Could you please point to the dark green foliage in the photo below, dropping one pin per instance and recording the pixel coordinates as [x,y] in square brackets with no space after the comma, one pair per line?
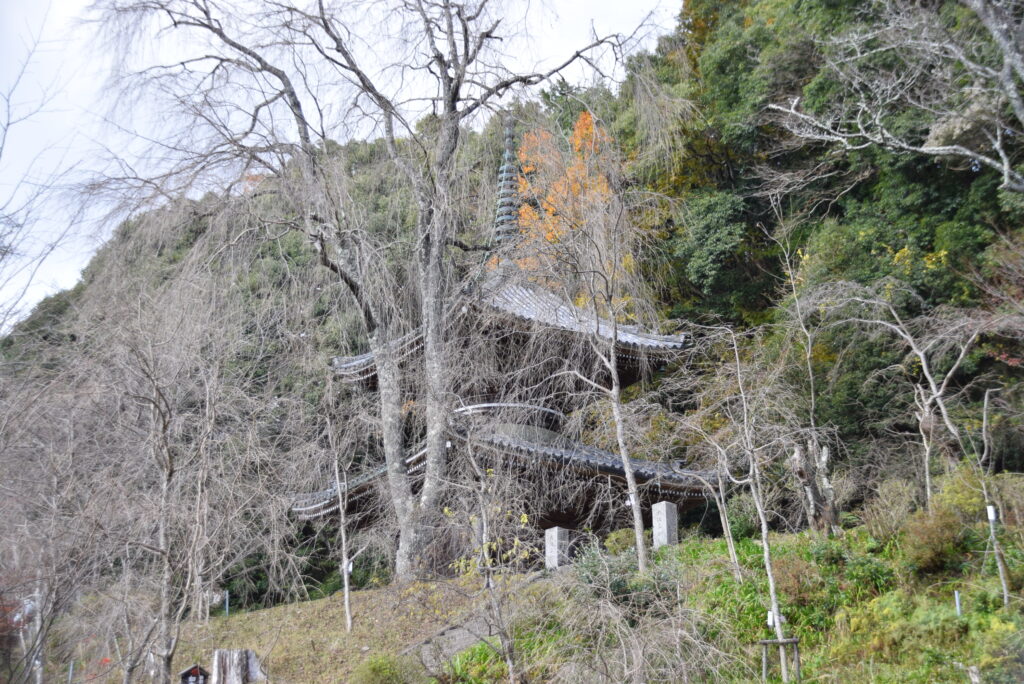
[712,232]
[48,324]
[566,102]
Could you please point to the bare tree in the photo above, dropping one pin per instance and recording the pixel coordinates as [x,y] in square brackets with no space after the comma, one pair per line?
[962,80]
[983,466]
[580,240]
[172,451]
[26,237]
[809,462]
[753,427]
[936,342]
[252,65]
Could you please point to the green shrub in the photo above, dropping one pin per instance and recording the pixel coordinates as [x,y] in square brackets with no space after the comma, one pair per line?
[868,576]
[478,664]
[935,541]
[387,668]
[621,541]
[961,492]
[828,553]
[742,516]
[616,578]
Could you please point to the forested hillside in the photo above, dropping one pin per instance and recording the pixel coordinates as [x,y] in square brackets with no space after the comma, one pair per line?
[823,198]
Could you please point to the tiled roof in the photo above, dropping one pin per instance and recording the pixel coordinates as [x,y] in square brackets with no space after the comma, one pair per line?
[364,366]
[540,306]
[533,444]
[543,307]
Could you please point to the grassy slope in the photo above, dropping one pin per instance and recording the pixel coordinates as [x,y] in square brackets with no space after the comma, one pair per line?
[864,611]
[307,643]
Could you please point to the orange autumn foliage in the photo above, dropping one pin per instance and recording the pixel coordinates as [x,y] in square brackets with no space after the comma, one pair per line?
[565,187]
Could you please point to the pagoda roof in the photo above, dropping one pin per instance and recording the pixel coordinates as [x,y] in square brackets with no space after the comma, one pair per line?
[538,305]
[525,443]
[534,303]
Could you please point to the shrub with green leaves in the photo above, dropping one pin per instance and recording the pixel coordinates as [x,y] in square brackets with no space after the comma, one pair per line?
[621,541]
[478,664]
[387,668]
[742,516]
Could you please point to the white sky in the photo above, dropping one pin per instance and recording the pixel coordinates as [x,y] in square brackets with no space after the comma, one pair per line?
[69,130]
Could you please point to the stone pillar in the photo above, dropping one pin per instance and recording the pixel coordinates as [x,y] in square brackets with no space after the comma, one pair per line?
[666,524]
[556,547]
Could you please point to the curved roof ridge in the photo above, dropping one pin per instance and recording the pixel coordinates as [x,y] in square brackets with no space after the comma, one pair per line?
[507,291]
[562,451]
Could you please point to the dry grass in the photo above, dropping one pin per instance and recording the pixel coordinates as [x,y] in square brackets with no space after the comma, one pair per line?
[306,642]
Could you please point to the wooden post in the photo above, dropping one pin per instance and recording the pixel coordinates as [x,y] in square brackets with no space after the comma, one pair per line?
[781,643]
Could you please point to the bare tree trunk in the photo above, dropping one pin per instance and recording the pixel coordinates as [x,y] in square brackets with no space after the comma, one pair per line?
[818,499]
[166,642]
[642,559]
[773,597]
[997,549]
[925,418]
[410,538]
[37,622]
[990,508]
[723,515]
[343,517]
[235,667]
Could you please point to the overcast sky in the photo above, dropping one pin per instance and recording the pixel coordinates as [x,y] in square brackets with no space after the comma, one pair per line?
[68,74]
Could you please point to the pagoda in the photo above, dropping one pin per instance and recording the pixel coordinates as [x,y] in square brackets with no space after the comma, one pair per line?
[526,433]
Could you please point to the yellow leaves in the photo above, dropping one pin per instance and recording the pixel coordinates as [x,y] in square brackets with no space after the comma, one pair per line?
[907,259]
[904,259]
[535,148]
[935,260]
[997,626]
[822,354]
[629,264]
[888,291]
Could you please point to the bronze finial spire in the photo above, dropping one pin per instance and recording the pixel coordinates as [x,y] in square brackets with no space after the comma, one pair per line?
[506,222]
